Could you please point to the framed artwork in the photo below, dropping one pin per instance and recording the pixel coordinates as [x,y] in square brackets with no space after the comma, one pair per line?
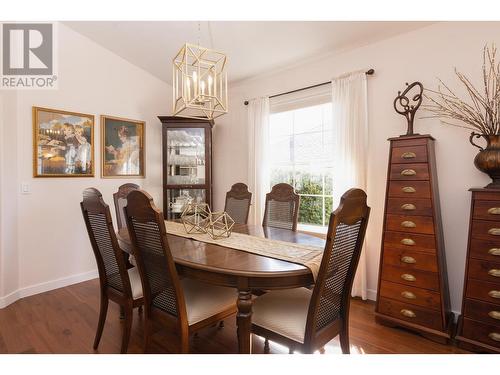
[63,143]
[122,147]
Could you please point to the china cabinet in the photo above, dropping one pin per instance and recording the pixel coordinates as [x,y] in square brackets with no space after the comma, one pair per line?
[187,163]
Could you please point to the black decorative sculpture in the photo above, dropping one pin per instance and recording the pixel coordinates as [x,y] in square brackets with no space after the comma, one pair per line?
[407,107]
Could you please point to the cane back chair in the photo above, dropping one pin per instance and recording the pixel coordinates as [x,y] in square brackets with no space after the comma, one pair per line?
[184,306]
[304,319]
[117,284]
[282,207]
[238,201]
[120,199]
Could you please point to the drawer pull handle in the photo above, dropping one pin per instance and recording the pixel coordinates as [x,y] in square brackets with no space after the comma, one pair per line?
[408,277]
[408,189]
[408,207]
[407,242]
[408,155]
[494,294]
[494,251]
[408,260]
[408,295]
[494,272]
[494,314]
[408,313]
[408,224]
[494,211]
[494,231]
[408,172]
[494,336]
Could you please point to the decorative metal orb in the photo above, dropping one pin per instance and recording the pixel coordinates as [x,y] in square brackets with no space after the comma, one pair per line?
[220,225]
[196,217]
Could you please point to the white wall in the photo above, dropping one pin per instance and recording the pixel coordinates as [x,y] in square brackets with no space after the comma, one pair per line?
[421,55]
[44,243]
[8,194]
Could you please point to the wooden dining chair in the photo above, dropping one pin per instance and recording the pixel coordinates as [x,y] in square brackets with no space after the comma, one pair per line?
[120,199]
[117,284]
[182,305]
[282,207]
[238,201]
[307,319]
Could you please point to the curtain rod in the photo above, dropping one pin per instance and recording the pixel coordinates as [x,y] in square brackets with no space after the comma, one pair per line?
[368,72]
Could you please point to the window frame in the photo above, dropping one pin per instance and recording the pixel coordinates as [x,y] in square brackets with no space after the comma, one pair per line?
[294,167]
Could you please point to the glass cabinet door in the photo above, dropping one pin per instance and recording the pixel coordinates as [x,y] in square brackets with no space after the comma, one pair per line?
[186,164]
[177,199]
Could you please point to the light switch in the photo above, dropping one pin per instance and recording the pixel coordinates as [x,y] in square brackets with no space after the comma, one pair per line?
[25,188]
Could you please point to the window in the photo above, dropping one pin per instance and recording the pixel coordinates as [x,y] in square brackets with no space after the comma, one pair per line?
[300,154]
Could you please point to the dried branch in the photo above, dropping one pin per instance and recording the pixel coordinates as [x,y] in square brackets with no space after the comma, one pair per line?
[481,113]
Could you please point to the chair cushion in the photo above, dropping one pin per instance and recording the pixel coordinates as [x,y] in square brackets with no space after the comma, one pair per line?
[135,282]
[283,312]
[205,300]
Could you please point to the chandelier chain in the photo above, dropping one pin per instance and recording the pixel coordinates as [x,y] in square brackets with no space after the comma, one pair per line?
[210,34]
[199,34]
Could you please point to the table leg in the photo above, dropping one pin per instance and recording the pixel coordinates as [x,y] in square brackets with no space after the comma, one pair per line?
[244,321]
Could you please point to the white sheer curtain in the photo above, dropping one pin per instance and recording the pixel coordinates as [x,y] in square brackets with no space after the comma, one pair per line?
[350,124]
[258,170]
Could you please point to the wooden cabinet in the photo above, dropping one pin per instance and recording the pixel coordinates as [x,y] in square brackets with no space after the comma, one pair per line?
[187,163]
[413,284]
[479,323]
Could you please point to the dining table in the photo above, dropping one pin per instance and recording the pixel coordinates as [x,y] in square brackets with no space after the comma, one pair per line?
[244,271]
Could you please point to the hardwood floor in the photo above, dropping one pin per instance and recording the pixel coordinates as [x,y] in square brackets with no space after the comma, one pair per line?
[65,320]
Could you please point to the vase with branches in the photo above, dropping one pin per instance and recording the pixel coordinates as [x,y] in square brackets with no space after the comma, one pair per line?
[480,113]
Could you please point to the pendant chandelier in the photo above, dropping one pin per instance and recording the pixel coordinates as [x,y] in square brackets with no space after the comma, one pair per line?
[199,82]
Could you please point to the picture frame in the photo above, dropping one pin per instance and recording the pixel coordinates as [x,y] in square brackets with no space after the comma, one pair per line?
[123,151]
[63,143]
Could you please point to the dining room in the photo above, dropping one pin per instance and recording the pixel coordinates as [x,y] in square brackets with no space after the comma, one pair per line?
[229,185]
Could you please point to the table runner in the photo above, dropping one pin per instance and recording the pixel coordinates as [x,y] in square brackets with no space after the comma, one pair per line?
[306,255]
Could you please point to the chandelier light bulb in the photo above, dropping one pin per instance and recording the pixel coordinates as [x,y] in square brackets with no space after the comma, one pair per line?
[202,84]
[195,83]
[210,84]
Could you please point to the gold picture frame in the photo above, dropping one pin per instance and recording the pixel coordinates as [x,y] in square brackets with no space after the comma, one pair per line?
[63,143]
[123,147]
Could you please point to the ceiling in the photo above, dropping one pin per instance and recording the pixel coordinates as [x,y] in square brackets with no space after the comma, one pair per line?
[252,47]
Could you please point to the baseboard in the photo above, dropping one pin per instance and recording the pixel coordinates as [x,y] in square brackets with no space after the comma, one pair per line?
[45,287]
[9,298]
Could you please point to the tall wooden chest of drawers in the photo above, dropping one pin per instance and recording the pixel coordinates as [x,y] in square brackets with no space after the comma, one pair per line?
[479,323]
[413,284]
